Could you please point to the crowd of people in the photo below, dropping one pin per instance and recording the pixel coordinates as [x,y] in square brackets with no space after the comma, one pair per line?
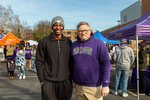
[84,65]
[21,60]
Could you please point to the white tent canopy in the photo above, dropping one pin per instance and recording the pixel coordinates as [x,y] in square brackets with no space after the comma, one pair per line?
[32,42]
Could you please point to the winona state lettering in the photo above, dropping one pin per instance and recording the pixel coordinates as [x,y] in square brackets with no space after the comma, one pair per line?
[82,50]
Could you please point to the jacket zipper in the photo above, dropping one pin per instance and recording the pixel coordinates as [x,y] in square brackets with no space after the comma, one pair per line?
[58,46]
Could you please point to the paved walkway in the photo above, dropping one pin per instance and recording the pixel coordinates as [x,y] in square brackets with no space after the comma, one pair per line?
[30,89]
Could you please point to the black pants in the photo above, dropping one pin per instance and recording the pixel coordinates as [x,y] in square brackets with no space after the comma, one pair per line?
[60,90]
[12,73]
[142,87]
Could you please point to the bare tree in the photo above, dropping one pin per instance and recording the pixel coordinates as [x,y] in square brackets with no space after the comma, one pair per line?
[42,29]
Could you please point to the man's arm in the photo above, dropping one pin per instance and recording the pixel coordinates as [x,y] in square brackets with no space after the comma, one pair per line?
[106,67]
[132,57]
[39,61]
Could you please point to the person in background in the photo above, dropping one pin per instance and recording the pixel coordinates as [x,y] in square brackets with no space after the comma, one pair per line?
[142,68]
[91,65]
[11,68]
[5,51]
[21,61]
[33,52]
[15,51]
[28,58]
[110,55]
[53,63]
[124,58]
[1,52]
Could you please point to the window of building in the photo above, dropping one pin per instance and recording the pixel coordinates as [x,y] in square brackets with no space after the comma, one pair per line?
[125,18]
[68,32]
[69,37]
[75,33]
[63,32]
[75,37]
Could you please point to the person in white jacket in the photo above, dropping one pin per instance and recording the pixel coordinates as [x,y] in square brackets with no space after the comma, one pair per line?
[124,57]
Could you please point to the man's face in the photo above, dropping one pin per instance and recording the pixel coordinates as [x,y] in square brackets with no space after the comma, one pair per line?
[84,32]
[57,28]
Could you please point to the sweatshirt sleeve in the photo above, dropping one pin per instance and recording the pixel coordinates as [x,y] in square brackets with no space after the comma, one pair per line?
[14,54]
[132,56]
[105,64]
[39,60]
[143,59]
[114,56]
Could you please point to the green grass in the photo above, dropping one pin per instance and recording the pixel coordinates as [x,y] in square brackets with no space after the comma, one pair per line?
[10,50]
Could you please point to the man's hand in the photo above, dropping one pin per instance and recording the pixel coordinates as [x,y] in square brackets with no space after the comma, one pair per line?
[105,91]
[74,85]
[41,83]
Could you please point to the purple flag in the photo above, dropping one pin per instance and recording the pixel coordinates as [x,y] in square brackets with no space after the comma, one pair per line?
[0,35]
[4,34]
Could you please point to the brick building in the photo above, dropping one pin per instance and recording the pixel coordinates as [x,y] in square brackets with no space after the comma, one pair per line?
[70,33]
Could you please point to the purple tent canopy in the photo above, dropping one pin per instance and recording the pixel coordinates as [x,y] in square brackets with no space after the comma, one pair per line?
[140,27]
[138,30]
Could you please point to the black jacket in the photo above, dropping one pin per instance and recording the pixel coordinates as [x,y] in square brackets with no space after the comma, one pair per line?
[52,59]
[142,60]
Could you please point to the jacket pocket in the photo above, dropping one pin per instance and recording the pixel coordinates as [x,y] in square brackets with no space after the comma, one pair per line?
[82,76]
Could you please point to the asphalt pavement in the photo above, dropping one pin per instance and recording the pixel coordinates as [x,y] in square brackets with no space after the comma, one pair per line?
[30,89]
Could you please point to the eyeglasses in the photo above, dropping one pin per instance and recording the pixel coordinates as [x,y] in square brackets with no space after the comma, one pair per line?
[85,31]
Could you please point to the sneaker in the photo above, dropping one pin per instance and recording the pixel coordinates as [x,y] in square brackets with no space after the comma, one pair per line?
[115,92]
[140,93]
[124,94]
[20,77]
[24,76]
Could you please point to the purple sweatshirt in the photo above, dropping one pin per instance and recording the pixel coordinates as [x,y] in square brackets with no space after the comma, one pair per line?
[28,53]
[91,62]
[15,52]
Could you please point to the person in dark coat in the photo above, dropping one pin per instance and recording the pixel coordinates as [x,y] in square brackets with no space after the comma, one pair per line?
[52,63]
[142,68]
[5,51]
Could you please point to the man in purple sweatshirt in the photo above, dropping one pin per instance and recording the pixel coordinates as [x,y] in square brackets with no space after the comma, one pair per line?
[91,65]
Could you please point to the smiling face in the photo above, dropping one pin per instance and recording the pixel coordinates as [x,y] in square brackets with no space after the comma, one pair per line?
[83,32]
[57,29]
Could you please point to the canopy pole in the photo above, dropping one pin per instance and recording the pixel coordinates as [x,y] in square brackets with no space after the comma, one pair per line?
[137,58]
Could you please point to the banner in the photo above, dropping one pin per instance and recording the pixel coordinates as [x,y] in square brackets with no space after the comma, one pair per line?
[0,35]
[4,34]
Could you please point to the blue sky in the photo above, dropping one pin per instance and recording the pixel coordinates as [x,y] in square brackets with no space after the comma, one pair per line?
[100,14]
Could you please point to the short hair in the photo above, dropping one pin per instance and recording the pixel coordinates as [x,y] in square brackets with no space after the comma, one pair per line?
[21,46]
[12,60]
[82,23]
[34,46]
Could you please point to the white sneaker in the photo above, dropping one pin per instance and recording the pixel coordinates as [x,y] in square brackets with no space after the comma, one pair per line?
[20,77]
[124,94]
[24,76]
[115,92]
